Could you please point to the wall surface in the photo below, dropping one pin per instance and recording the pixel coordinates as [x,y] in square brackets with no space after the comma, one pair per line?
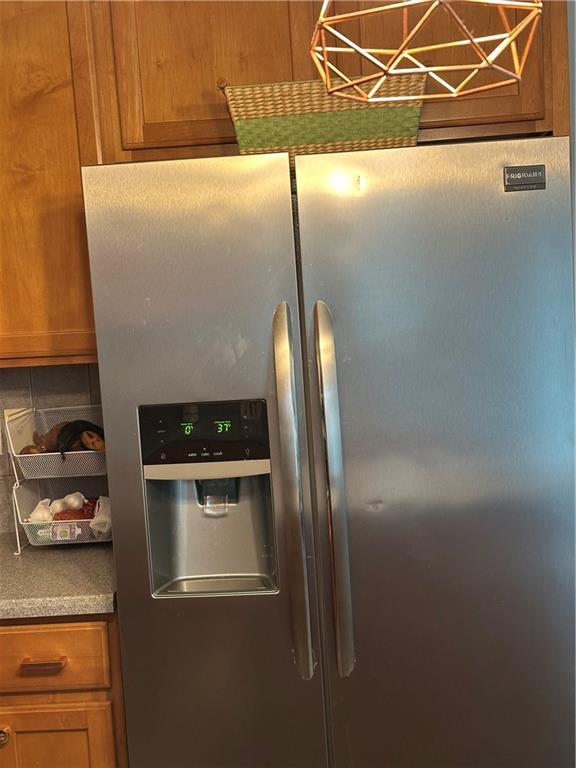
[46,387]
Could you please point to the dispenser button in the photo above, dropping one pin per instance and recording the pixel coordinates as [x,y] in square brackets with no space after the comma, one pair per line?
[162,455]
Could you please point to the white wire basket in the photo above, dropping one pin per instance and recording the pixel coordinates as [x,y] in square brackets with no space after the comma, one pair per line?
[25,497]
[21,423]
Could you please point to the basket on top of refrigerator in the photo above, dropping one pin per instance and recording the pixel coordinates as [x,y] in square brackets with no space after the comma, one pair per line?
[57,442]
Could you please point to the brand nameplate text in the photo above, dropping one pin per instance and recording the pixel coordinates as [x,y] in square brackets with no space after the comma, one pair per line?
[521,178]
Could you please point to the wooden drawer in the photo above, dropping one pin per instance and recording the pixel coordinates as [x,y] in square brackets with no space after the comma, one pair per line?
[54,657]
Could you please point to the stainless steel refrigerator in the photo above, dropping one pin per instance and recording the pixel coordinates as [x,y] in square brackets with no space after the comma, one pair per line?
[341,456]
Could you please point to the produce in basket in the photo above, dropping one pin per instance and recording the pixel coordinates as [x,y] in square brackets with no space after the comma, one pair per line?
[93,440]
[71,501]
[90,435]
[29,449]
[72,507]
[101,525]
[41,512]
[49,441]
[76,435]
[86,511]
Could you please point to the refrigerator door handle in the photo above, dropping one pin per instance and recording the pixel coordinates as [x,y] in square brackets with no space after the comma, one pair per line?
[292,490]
[338,523]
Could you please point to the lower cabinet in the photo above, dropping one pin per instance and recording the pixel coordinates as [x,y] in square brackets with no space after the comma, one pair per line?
[70,735]
[61,700]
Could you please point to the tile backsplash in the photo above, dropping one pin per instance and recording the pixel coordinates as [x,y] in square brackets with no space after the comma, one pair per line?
[42,387]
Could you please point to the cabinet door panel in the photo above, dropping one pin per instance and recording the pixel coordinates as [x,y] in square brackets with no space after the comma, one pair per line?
[170,58]
[514,102]
[45,299]
[65,735]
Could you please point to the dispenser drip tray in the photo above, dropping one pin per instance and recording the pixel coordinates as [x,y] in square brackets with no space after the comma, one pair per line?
[244,582]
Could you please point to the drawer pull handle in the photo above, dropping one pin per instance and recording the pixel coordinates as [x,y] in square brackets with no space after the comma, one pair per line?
[4,735]
[49,667]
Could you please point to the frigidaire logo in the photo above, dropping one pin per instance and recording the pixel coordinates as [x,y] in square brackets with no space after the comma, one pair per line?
[519,178]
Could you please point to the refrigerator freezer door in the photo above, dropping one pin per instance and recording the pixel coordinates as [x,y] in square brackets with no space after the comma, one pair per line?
[190,260]
[452,308]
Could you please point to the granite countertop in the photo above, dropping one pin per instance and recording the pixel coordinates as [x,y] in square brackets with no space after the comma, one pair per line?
[64,580]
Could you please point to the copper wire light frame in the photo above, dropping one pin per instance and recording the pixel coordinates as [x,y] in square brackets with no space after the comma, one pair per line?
[329,42]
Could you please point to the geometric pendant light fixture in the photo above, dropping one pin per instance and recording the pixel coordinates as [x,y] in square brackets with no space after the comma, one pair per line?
[462,46]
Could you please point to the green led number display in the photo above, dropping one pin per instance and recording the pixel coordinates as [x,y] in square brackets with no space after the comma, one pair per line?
[187,427]
[223,426]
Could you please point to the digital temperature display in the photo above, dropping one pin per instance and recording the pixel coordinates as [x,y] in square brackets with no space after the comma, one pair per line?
[228,430]
[204,429]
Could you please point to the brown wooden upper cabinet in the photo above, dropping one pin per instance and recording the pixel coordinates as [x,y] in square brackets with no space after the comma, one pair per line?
[45,299]
[92,82]
[170,57]
[526,107]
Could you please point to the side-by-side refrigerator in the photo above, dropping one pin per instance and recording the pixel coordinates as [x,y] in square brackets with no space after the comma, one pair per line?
[341,455]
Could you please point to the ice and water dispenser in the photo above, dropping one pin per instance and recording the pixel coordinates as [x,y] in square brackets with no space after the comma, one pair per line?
[206,470]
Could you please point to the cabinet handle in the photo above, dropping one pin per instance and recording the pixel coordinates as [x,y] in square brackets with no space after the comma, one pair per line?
[47,667]
[4,735]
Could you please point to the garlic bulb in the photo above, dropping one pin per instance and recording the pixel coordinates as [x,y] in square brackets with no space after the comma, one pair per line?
[41,512]
[74,500]
[58,505]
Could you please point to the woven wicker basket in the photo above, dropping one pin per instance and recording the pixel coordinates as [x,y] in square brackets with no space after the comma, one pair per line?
[302,118]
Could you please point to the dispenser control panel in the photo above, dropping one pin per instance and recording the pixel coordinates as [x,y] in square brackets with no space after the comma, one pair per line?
[184,433]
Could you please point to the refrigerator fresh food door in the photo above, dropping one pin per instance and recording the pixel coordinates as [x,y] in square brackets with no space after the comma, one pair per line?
[439,314]
[196,306]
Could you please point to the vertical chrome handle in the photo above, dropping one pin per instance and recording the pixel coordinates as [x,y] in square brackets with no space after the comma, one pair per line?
[296,550]
[328,385]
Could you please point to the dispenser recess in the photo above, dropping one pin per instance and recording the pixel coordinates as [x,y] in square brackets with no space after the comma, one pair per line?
[210,525]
